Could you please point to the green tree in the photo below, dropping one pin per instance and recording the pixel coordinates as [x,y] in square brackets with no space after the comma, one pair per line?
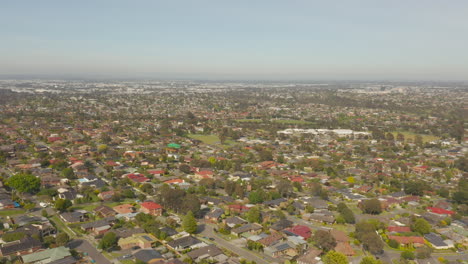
[370,260]
[333,257]
[24,183]
[68,173]
[254,215]
[189,223]
[324,240]
[8,237]
[62,204]
[407,255]
[108,241]
[421,226]
[371,206]
[62,239]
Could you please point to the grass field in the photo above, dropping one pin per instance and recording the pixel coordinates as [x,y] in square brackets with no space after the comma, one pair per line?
[411,135]
[12,212]
[291,122]
[207,139]
[61,226]
[249,120]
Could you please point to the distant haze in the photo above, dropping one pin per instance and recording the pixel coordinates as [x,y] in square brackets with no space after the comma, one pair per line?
[245,39]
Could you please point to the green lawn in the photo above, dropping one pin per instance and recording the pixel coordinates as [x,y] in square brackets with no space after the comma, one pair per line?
[207,139]
[411,135]
[62,226]
[249,120]
[12,212]
[292,122]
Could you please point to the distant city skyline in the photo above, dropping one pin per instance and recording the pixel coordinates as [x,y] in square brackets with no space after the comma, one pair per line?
[236,40]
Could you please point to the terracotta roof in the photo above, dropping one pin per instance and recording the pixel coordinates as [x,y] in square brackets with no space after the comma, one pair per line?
[408,239]
[151,205]
[399,229]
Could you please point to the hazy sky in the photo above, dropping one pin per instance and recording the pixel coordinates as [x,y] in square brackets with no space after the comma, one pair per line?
[241,39]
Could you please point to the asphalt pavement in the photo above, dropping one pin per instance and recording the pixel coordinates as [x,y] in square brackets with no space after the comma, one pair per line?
[207,231]
[85,246]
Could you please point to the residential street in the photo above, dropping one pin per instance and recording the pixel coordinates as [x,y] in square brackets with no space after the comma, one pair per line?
[207,231]
[85,246]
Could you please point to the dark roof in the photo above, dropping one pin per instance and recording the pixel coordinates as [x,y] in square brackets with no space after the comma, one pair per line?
[66,260]
[99,223]
[146,255]
[282,224]
[210,250]
[215,213]
[126,232]
[235,220]
[247,228]
[72,217]
[184,242]
[435,239]
[275,202]
[26,243]
[169,231]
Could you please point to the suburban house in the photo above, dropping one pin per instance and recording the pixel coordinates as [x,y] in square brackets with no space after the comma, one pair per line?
[151,208]
[142,240]
[20,247]
[148,255]
[104,211]
[209,252]
[186,242]
[52,255]
[124,209]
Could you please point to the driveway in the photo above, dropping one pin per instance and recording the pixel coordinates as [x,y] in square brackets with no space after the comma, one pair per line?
[207,231]
[85,246]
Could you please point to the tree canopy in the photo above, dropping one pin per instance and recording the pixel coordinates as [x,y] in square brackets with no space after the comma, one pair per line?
[24,183]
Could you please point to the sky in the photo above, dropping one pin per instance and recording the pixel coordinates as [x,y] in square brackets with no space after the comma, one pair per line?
[242,39]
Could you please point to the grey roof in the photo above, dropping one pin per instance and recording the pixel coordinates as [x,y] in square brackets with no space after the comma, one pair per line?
[435,239]
[26,243]
[210,250]
[146,255]
[184,242]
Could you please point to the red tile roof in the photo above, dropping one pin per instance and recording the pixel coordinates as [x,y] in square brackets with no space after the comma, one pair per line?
[399,229]
[151,205]
[408,239]
[301,230]
[438,210]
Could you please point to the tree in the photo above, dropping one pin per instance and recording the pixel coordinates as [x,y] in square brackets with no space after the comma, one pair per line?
[373,243]
[147,188]
[370,260]
[423,252]
[189,223]
[324,240]
[8,237]
[333,257]
[108,241]
[256,197]
[68,173]
[185,168]
[284,187]
[62,239]
[416,187]
[62,204]
[371,206]
[346,213]
[254,215]
[407,255]
[24,183]
[393,243]
[421,226]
